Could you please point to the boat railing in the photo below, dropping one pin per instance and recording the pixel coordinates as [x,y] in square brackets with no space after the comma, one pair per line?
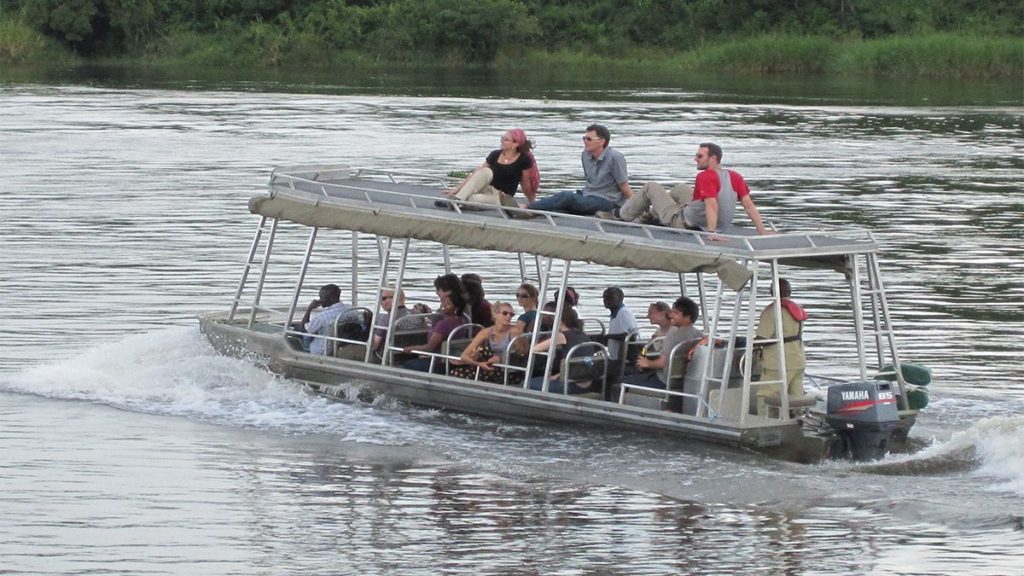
[624,388]
[585,322]
[457,342]
[578,359]
[676,366]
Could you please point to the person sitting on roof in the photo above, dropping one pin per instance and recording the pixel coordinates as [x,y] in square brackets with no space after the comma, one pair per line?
[329,298]
[569,335]
[487,349]
[607,185]
[654,366]
[452,306]
[708,206]
[504,170]
[793,317]
[479,307]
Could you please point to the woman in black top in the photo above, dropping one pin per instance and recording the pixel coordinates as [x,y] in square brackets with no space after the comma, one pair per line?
[505,169]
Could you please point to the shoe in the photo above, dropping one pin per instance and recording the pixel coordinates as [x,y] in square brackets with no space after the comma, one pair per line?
[449,204]
[608,214]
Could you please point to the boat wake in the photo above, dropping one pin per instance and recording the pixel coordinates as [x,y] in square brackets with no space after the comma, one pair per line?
[176,372]
[991,447]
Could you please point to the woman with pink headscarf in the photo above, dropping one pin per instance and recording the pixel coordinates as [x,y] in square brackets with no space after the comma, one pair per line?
[504,170]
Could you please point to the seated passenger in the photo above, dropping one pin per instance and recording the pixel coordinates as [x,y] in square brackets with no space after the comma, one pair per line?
[487,348]
[479,307]
[503,171]
[572,298]
[528,297]
[323,324]
[569,335]
[622,321]
[387,296]
[658,314]
[453,305]
[683,314]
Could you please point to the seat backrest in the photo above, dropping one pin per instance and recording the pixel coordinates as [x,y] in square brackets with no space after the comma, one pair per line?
[592,327]
[584,362]
[459,338]
[352,324]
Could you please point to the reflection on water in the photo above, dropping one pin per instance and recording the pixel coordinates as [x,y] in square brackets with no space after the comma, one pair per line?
[126,212]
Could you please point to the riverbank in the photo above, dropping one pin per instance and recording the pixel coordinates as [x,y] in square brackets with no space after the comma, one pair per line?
[918,56]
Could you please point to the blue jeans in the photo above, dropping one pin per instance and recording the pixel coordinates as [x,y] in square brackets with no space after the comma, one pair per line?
[555,386]
[573,203]
[648,379]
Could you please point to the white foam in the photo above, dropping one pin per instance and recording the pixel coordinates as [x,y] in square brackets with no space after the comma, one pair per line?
[998,444]
[175,371]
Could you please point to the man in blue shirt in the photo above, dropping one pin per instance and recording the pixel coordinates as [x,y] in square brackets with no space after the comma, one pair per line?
[607,185]
[323,324]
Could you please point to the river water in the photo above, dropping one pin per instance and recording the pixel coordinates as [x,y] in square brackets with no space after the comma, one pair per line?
[127,446]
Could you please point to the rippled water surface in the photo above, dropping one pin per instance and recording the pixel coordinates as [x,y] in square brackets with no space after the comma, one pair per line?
[128,446]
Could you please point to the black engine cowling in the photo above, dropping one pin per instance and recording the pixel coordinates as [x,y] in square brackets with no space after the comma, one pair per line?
[864,416]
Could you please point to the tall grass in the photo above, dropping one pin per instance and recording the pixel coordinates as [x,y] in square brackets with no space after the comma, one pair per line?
[20,44]
[772,54]
[936,55]
[932,55]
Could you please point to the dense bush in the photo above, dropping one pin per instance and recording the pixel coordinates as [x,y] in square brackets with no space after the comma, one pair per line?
[277,31]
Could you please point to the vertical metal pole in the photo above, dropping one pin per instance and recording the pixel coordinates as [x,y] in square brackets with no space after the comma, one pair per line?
[556,325]
[858,321]
[248,265]
[703,301]
[730,351]
[355,269]
[385,261]
[748,352]
[447,259]
[543,278]
[682,285]
[399,278]
[780,337]
[522,268]
[301,279]
[263,273]
[712,334]
[887,318]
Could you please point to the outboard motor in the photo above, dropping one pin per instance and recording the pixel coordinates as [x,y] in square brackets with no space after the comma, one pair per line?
[864,416]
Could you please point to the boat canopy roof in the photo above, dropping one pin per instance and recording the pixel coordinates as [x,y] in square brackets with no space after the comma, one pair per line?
[403,206]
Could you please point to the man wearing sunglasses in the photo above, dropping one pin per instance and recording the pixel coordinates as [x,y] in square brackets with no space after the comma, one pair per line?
[607,185]
[708,206]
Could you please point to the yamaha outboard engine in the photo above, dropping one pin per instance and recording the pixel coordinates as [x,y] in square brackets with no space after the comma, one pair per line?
[864,416]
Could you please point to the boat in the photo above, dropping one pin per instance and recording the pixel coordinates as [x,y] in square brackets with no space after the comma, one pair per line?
[862,409]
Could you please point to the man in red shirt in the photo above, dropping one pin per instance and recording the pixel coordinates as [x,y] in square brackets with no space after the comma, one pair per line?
[709,206]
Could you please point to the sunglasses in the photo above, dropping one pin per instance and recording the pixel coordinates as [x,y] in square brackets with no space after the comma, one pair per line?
[590,138]
[522,295]
[505,312]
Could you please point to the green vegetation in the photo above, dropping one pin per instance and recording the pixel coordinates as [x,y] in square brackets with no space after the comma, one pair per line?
[923,38]
[20,44]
